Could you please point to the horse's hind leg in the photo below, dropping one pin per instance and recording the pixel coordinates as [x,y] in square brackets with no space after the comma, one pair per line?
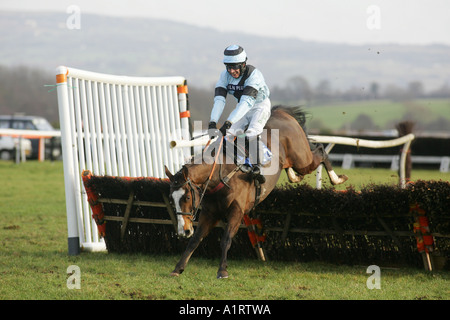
[298,170]
[319,156]
[293,176]
[319,153]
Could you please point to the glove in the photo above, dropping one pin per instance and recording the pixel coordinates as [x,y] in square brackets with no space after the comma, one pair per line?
[225,127]
[212,130]
[212,125]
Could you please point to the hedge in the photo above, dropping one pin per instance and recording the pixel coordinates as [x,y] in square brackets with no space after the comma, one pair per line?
[351,227]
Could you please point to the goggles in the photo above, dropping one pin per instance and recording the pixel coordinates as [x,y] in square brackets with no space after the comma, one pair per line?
[233,66]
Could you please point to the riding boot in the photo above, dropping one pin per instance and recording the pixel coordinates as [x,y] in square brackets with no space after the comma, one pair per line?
[257,167]
[246,168]
[257,174]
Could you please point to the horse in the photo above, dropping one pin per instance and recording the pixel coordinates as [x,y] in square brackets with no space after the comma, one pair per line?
[230,198]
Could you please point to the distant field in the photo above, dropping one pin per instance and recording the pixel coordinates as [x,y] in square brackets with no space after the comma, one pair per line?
[384,113]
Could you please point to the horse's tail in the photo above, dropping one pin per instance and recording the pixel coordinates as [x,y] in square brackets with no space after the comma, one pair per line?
[296,112]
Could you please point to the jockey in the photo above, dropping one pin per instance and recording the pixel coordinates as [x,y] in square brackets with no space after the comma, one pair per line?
[247,85]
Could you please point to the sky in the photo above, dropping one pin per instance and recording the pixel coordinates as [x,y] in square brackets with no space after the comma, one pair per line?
[345,21]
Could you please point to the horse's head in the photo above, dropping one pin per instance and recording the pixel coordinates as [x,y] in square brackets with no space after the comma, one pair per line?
[186,198]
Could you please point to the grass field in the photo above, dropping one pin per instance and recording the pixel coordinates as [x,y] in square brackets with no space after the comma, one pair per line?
[34,260]
[384,113]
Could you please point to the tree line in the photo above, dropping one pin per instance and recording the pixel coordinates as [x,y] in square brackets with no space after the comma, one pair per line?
[299,89]
[25,89]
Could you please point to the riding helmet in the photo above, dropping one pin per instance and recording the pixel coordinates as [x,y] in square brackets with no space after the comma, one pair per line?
[235,55]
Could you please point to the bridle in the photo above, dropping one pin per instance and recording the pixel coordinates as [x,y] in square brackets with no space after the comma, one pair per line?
[195,208]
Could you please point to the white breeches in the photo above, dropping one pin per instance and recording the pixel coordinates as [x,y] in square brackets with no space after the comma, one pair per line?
[256,119]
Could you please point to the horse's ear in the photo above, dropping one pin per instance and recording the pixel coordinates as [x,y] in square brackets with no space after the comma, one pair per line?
[168,173]
[185,172]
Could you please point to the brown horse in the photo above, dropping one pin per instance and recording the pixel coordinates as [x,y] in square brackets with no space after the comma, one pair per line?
[226,193]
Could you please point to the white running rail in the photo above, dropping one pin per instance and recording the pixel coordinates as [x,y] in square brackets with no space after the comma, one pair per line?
[332,141]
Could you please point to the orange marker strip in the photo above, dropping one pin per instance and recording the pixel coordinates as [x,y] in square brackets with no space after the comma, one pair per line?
[61,78]
[185,114]
[182,89]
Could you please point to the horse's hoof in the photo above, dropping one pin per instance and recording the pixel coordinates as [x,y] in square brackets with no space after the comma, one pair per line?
[174,274]
[337,179]
[293,176]
[222,275]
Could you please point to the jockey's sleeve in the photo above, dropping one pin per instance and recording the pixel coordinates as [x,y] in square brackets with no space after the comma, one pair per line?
[220,95]
[219,104]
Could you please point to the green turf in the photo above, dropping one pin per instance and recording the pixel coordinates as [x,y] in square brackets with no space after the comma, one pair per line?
[384,113]
[34,259]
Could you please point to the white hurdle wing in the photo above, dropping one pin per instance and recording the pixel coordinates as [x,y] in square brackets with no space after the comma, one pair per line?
[118,126]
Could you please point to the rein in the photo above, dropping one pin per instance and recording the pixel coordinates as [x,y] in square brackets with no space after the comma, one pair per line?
[223,182]
[194,212]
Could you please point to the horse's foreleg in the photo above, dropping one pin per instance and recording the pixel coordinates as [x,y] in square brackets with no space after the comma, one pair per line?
[234,221]
[203,228]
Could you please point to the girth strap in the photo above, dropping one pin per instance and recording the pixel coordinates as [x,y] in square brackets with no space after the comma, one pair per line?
[257,193]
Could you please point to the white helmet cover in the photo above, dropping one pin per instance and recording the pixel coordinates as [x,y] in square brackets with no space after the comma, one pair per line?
[234,54]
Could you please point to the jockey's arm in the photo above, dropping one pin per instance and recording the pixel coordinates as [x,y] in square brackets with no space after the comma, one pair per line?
[245,104]
[220,95]
[216,112]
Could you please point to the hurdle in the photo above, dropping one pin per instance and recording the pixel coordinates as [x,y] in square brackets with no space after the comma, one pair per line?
[118,126]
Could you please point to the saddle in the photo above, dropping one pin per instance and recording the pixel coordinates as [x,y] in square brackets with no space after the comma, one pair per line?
[241,155]
[244,160]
